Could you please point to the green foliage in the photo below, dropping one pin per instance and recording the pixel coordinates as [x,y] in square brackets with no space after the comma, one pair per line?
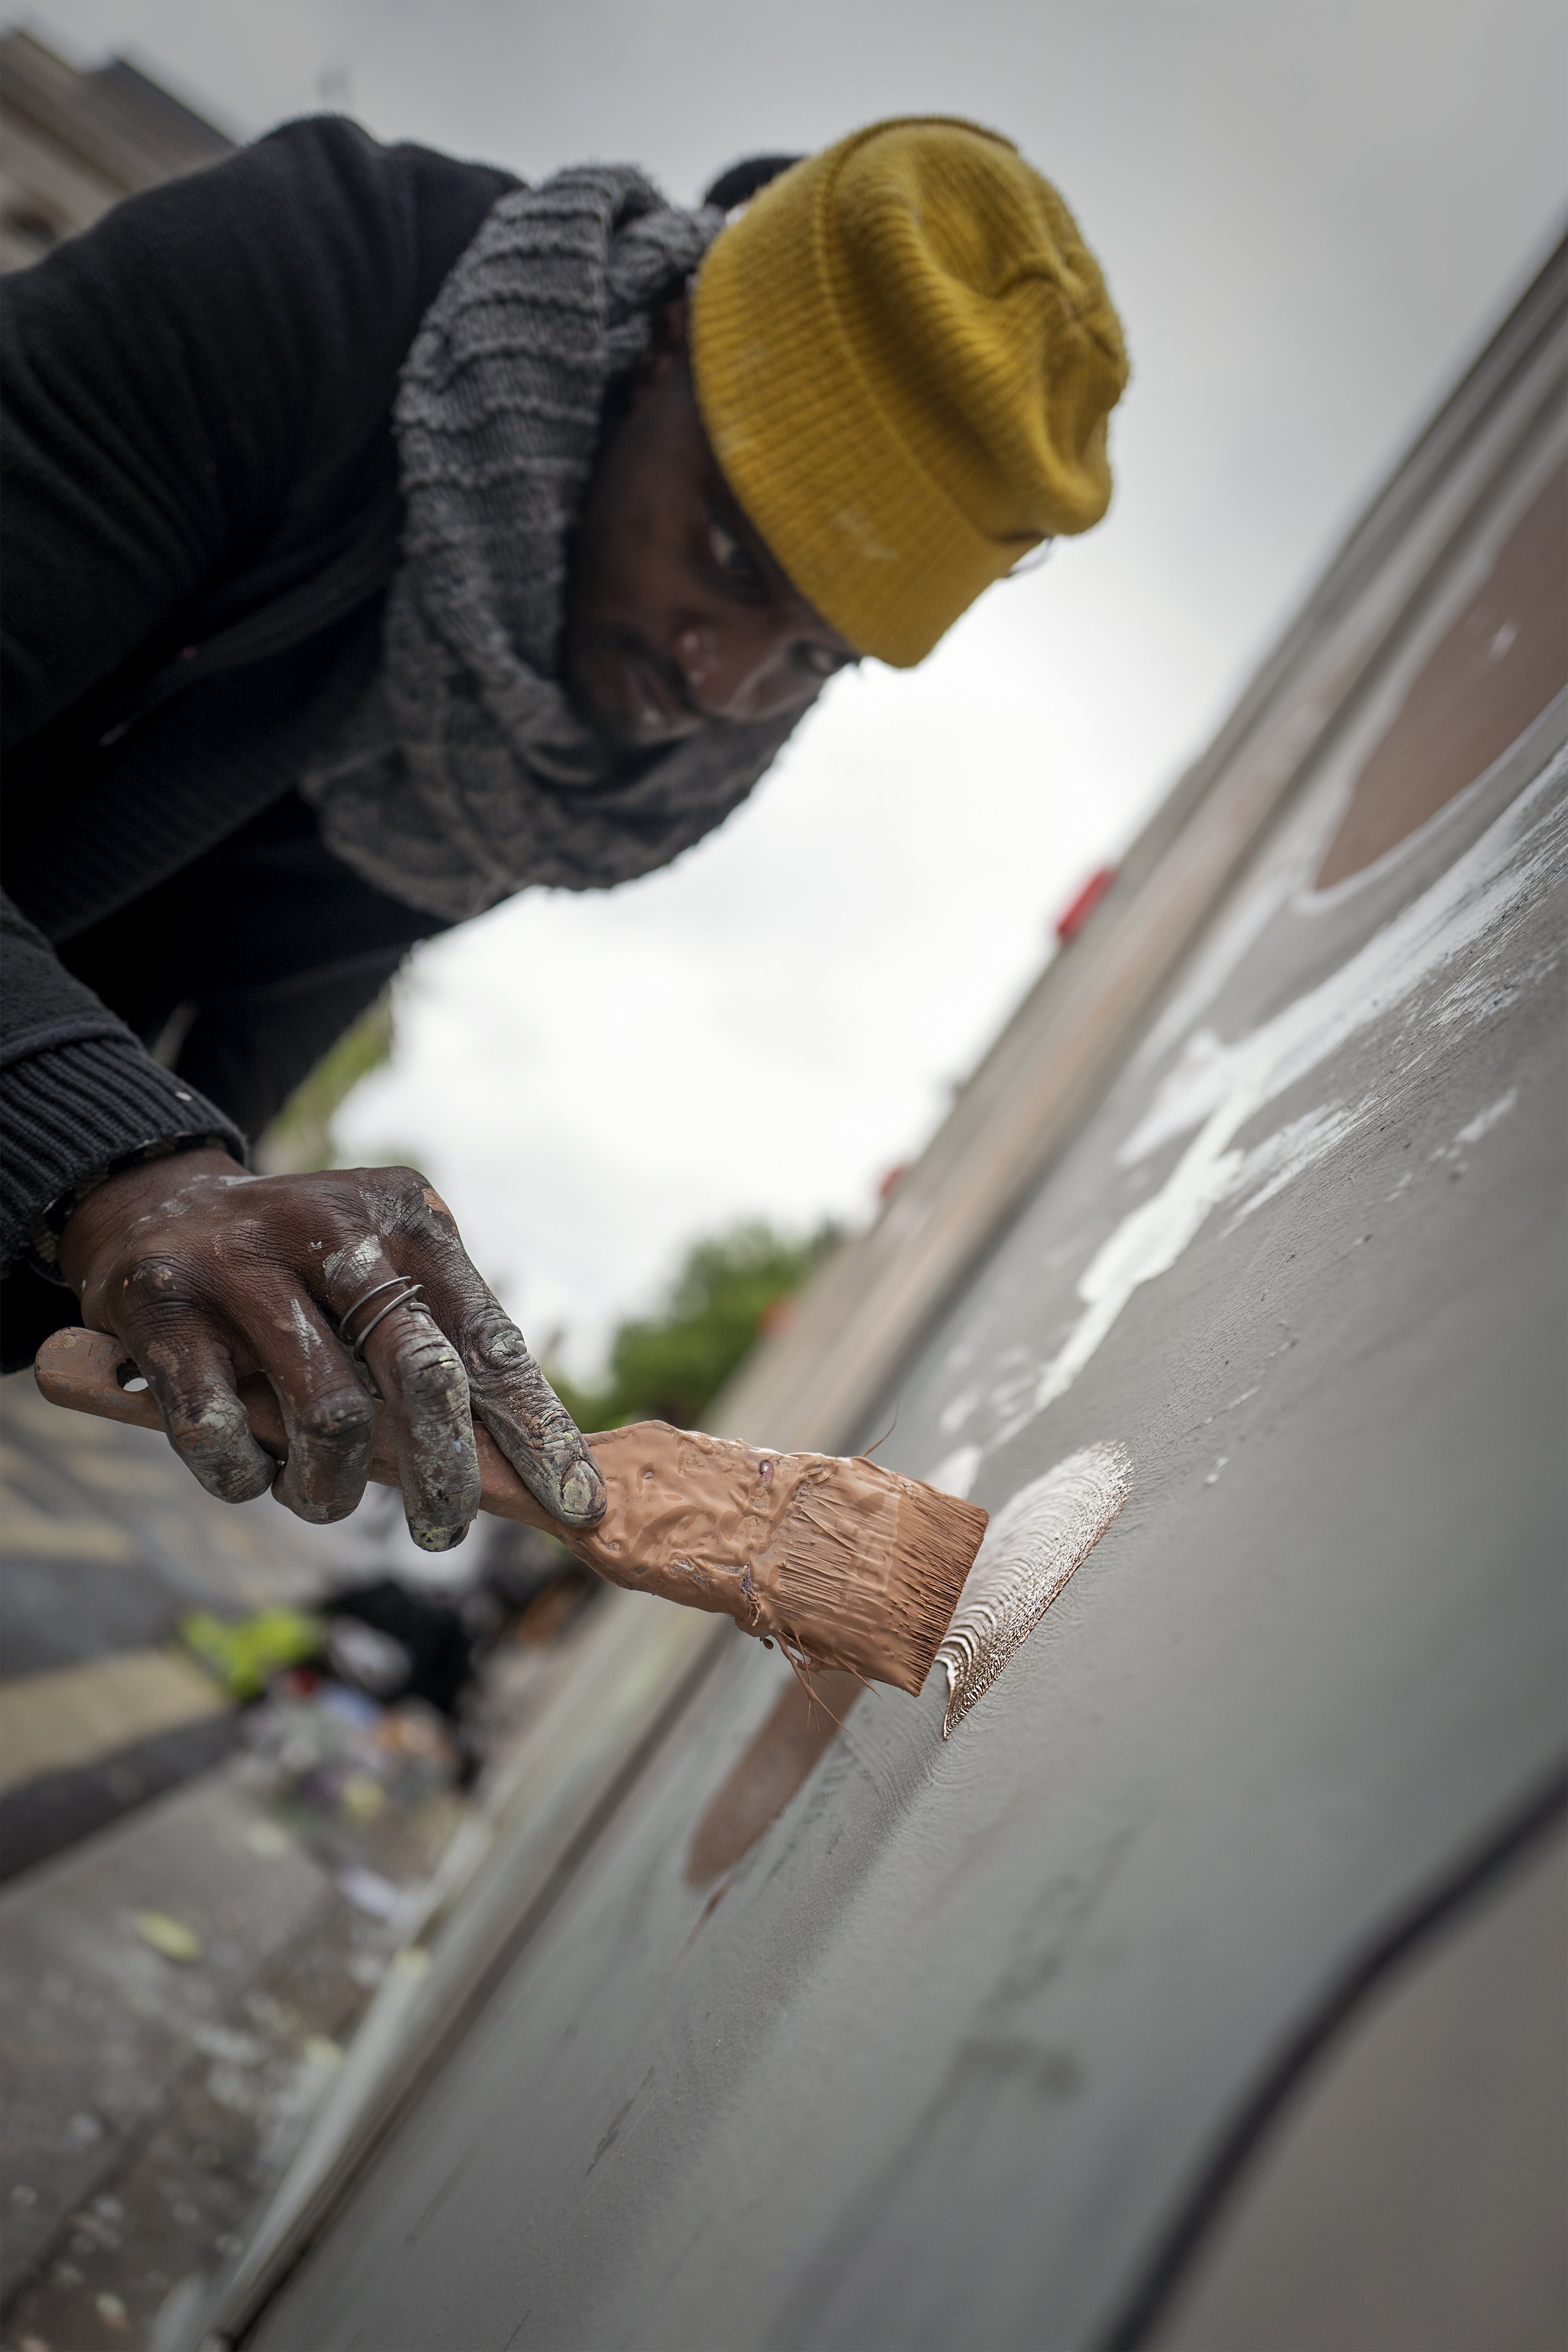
[670,1366]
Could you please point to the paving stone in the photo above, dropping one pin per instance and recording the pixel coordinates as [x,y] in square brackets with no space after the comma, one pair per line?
[94,2025]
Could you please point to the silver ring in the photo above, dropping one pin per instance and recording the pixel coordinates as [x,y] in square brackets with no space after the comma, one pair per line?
[410,1290]
[374,1292]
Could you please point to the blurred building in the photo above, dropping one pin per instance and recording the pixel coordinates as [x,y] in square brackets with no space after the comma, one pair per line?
[74,143]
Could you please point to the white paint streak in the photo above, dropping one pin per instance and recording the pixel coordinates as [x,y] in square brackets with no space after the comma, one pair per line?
[1031,1549]
[1290,1150]
[1218,1088]
[1484,1121]
[955,1472]
[305,1330]
[953,1415]
[1499,877]
[361,1259]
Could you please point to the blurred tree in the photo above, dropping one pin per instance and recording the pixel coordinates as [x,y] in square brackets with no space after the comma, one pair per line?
[670,1366]
[301,1138]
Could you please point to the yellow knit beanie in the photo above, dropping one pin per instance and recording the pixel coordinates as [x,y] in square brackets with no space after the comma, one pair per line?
[905,357]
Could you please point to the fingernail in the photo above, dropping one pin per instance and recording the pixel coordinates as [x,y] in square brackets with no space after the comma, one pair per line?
[438,1539]
[582,1492]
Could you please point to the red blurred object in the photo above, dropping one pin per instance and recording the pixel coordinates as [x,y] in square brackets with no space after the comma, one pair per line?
[888,1184]
[781,1315]
[1079,909]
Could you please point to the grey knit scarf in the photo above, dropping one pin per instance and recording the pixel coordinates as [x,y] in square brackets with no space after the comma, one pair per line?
[464,773]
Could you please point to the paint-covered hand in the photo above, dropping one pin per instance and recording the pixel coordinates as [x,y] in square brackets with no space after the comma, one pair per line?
[206,1274]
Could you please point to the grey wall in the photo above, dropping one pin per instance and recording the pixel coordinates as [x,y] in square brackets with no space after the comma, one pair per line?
[944,2056]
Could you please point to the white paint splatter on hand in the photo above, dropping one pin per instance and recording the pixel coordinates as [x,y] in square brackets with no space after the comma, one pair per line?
[1032,1546]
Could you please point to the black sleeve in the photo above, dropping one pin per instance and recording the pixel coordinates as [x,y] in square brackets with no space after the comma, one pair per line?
[204,373]
[205,366]
[77,1091]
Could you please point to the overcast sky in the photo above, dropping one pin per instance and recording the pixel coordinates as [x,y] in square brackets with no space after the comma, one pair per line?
[1309,216]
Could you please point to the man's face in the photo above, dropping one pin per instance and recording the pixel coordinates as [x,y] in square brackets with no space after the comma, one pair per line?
[676,614]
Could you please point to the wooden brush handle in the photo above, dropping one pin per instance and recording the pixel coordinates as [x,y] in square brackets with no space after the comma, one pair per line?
[673,1496]
[80,1369]
[842,1563]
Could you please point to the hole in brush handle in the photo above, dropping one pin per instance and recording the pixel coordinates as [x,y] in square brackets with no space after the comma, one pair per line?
[88,1372]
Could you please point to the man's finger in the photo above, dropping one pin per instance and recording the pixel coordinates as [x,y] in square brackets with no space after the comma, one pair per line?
[419,1377]
[506,1387]
[425,1394]
[328,1410]
[191,1375]
[535,1430]
[517,1404]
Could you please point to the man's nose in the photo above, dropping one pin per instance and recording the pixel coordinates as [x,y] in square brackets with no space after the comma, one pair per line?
[736,669]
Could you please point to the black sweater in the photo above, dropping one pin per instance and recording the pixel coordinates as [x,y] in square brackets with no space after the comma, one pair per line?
[200,517]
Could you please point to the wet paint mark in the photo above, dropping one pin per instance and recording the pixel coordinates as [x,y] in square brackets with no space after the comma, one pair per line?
[1032,1546]
[801,1728]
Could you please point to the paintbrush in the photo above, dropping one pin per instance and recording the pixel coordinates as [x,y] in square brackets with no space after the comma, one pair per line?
[841,1562]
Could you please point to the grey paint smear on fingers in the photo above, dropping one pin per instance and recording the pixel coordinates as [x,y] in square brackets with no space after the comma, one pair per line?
[1032,1546]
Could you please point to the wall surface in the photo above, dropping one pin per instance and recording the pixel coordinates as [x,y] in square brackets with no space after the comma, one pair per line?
[851,2034]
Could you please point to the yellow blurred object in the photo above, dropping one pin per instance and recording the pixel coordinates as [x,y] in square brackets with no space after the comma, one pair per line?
[244,1657]
[905,356]
[168,1936]
[362,1798]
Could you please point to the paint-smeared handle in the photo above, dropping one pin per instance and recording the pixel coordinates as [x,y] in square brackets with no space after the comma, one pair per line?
[80,1369]
[705,1521]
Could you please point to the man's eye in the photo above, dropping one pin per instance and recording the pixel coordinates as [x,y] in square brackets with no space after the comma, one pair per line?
[821,660]
[731,556]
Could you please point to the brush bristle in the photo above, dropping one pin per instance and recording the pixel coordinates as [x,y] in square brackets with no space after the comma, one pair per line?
[938,1535]
[872,1569]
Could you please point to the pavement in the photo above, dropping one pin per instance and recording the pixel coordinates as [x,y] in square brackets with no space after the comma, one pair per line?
[187,1941]
[105,1543]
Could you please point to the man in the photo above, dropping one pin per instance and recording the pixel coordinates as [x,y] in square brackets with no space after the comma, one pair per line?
[384,536]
